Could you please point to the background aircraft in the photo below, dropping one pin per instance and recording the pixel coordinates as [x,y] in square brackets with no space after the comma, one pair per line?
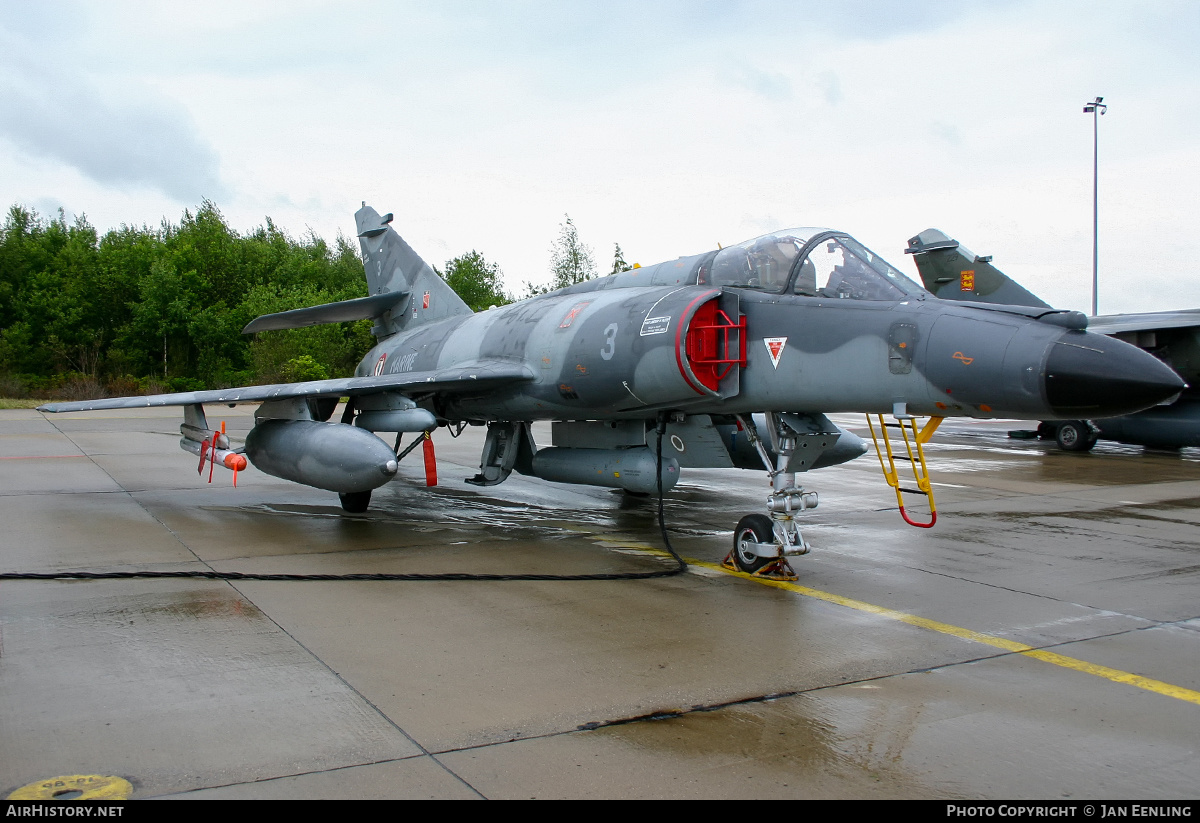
[954,273]
[729,358]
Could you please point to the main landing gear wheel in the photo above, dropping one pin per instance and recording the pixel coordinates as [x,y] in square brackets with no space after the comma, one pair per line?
[753,528]
[356,502]
[1075,436]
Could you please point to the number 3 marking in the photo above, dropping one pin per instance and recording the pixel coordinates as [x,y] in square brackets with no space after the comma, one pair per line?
[610,342]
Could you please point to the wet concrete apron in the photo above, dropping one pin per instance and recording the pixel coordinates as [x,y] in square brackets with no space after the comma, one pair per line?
[1042,641]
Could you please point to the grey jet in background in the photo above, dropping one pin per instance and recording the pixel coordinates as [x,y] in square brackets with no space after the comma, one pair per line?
[954,273]
[729,358]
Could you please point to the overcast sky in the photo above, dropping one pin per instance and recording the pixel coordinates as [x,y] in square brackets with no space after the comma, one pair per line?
[666,127]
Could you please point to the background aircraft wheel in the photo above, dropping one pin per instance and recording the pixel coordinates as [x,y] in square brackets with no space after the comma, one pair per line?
[753,528]
[1075,436]
[356,502]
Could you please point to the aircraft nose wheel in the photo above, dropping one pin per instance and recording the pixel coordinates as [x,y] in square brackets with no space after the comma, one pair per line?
[753,531]
[1075,436]
[355,502]
[753,528]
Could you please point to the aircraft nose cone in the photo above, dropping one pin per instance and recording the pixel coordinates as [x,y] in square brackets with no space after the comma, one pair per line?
[1090,375]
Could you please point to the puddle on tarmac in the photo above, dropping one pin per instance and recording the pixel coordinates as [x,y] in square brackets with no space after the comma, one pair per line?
[1182,503]
[781,740]
[464,511]
[767,731]
[178,606]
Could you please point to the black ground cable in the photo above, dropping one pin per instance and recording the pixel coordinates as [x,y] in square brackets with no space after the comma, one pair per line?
[213,575]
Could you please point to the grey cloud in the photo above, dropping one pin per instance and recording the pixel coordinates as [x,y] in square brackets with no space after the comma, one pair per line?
[771,85]
[876,20]
[831,87]
[138,139]
[947,132]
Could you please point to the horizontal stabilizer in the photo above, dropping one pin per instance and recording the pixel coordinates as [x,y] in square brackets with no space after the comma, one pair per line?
[361,308]
[488,375]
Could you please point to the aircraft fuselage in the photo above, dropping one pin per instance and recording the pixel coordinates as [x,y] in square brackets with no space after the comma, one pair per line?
[616,350]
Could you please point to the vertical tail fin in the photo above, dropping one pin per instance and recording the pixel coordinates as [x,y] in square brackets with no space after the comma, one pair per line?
[953,273]
[393,267]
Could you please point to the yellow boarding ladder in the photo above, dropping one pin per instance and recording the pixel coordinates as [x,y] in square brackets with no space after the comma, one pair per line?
[913,441]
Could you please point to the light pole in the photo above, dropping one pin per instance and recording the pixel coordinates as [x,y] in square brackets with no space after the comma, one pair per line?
[1095,108]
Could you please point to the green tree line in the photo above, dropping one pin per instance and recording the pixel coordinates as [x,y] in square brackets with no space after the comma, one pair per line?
[161,309]
[148,310]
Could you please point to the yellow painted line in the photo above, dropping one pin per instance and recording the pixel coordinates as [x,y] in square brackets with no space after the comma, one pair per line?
[1115,675]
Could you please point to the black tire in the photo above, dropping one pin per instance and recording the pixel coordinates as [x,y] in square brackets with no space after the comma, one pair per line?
[356,502]
[1075,436]
[754,528]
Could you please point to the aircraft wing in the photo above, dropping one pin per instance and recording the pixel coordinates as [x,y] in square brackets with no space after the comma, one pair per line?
[486,375]
[1148,321]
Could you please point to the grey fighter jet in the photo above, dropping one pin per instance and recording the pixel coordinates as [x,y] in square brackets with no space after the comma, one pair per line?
[954,273]
[729,358]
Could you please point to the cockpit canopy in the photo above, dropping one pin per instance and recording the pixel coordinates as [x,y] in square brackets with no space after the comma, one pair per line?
[809,261]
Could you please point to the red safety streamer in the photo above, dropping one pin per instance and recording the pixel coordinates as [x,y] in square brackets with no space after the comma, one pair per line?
[430,461]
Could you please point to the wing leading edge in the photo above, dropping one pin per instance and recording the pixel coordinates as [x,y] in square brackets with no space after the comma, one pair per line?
[467,378]
[1145,321]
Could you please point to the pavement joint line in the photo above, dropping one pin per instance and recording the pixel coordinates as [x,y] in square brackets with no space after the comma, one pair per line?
[1073,663]
[676,713]
[1012,646]
[277,777]
[319,660]
[1001,588]
[387,718]
[42,456]
[1151,623]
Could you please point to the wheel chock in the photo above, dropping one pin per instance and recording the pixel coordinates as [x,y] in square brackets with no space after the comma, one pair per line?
[778,569]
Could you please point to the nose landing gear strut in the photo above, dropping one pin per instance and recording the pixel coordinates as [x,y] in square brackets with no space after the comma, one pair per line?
[763,543]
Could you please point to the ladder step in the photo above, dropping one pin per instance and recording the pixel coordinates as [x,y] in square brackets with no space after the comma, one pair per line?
[907,426]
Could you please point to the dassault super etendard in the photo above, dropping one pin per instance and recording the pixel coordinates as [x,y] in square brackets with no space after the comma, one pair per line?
[730,358]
